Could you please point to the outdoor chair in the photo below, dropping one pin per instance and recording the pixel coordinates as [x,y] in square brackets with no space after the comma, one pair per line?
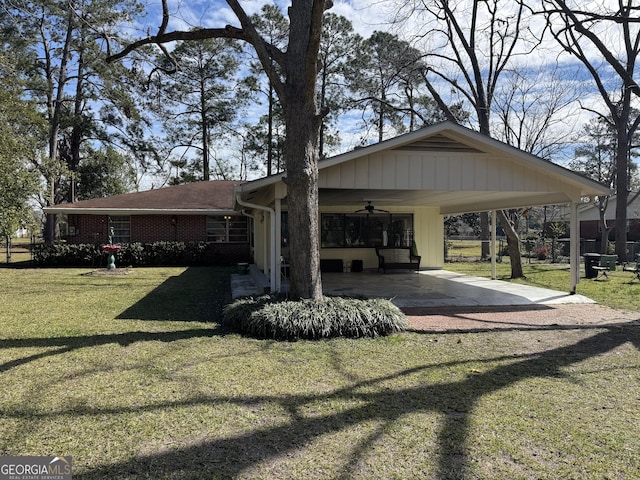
[607,264]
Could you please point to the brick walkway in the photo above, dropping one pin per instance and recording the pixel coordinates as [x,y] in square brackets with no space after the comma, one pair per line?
[440,319]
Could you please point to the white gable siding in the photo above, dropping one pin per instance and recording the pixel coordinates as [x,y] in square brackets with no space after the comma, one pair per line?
[444,172]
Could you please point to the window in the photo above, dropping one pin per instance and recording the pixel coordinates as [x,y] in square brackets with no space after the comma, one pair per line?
[362,230]
[120,229]
[227,229]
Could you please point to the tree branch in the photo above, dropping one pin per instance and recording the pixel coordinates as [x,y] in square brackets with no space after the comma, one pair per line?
[573,21]
[201,34]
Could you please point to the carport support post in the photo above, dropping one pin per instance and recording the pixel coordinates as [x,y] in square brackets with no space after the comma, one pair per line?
[277,247]
[494,274]
[574,246]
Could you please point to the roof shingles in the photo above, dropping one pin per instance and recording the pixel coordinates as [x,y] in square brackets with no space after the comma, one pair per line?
[212,195]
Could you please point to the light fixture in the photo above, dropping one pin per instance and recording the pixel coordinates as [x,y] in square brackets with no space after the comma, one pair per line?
[369,208]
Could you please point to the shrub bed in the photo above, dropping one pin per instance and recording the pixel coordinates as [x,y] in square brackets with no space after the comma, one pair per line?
[271,316]
[141,254]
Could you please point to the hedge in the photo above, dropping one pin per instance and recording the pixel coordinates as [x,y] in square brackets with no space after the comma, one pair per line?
[141,254]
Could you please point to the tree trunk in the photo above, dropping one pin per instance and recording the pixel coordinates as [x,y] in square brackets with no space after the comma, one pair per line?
[54,126]
[302,199]
[270,133]
[484,235]
[204,126]
[622,194]
[513,245]
[302,121]
[604,232]
[8,240]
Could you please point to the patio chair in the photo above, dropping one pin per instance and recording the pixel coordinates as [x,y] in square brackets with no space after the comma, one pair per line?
[607,264]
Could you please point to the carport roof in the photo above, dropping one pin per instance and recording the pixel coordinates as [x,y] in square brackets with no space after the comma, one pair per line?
[446,166]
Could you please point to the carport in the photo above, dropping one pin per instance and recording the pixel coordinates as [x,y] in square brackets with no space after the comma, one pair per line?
[425,175]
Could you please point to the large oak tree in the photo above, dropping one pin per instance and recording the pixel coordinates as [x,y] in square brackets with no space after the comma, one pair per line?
[293,74]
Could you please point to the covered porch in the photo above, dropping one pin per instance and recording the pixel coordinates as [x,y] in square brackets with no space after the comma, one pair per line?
[412,183]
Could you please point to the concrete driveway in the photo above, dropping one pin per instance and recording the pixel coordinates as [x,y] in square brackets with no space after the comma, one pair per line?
[428,288]
[441,288]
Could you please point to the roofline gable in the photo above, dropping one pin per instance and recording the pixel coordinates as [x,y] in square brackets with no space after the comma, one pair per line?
[464,135]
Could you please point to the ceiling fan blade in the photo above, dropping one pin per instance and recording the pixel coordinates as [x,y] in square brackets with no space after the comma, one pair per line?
[369,208]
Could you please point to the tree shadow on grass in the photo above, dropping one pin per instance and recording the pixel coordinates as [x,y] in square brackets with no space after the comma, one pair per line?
[232,456]
[196,295]
[69,344]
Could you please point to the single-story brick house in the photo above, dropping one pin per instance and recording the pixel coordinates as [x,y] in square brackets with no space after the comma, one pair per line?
[591,226]
[194,212]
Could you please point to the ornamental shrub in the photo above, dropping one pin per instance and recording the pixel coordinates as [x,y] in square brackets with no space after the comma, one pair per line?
[273,317]
[141,254]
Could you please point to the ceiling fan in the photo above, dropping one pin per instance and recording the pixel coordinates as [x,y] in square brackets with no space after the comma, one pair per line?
[370,209]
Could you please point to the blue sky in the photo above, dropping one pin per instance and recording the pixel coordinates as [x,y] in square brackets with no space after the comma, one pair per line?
[366,17]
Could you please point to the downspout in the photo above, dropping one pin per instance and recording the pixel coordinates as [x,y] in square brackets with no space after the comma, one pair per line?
[265,230]
[272,216]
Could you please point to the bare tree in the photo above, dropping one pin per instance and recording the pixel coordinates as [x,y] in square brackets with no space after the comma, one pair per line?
[293,74]
[532,106]
[470,45]
[612,29]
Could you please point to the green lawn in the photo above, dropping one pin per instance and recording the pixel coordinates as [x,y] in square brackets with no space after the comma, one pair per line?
[132,376]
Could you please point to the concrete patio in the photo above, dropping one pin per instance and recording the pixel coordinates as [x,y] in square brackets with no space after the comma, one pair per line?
[428,288]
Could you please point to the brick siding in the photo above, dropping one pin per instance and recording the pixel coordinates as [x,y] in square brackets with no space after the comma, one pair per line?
[144,228]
